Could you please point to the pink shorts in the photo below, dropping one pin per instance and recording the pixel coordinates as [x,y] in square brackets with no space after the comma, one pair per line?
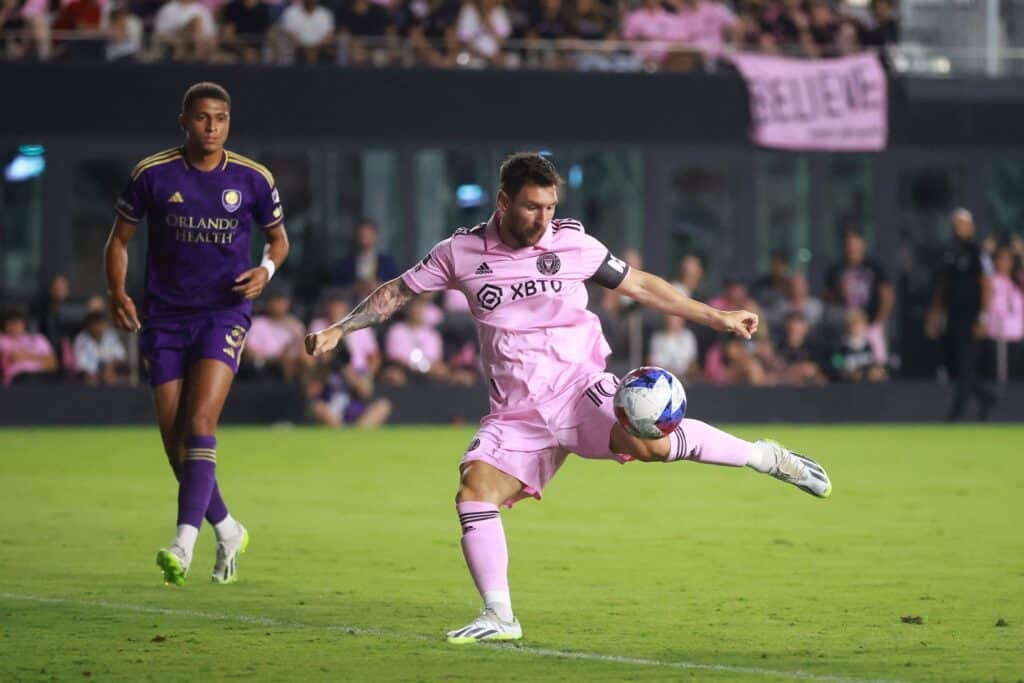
[532,444]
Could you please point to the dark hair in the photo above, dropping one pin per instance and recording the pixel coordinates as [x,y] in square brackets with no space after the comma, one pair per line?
[526,168]
[780,254]
[93,318]
[12,314]
[204,90]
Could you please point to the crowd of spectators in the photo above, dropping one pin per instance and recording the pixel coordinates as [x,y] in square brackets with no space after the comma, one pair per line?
[841,333]
[582,34]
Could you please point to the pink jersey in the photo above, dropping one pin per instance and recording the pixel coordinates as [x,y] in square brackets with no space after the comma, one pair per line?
[537,337]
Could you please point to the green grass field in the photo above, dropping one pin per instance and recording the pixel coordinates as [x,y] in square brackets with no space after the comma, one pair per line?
[636,572]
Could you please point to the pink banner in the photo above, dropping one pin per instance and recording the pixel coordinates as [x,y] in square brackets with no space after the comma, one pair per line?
[827,104]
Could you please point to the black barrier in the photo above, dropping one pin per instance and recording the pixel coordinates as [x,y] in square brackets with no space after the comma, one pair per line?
[124,101]
[271,403]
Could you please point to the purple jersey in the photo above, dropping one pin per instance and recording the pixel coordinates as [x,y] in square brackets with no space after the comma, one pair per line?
[199,228]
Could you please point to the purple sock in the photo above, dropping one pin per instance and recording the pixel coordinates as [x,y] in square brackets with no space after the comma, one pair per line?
[217,510]
[197,479]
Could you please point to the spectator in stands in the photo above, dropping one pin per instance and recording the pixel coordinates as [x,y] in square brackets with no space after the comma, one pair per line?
[124,35]
[854,360]
[823,29]
[481,27]
[883,29]
[367,266]
[798,301]
[274,343]
[734,297]
[691,273]
[591,20]
[1004,317]
[187,28]
[547,22]
[859,283]
[772,288]
[24,356]
[414,347]
[429,28]
[789,27]
[734,362]
[713,23]
[57,318]
[674,347]
[360,345]
[79,15]
[798,357]
[847,38]
[649,22]
[340,398]
[362,26]
[244,27]
[308,27]
[99,354]
[29,21]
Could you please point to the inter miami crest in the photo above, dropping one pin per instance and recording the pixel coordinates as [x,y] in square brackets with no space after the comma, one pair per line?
[548,263]
[231,200]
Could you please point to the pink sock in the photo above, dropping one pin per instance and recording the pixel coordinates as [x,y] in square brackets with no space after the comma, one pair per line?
[699,441]
[483,544]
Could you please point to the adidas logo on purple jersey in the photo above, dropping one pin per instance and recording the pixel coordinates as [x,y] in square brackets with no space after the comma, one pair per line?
[484,269]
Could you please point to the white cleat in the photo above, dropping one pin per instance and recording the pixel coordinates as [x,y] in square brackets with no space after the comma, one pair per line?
[487,626]
[225,569]
[796,469]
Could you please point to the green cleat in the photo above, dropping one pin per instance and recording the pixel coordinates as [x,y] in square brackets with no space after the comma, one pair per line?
[173,564]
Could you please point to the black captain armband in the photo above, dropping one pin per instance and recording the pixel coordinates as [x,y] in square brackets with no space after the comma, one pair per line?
[611,272]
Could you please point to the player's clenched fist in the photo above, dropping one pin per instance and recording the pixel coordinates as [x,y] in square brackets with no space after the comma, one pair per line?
[324,341]
[740,323]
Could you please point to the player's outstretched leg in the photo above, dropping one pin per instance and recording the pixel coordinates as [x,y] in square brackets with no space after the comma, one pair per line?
[700,442]
[483,489]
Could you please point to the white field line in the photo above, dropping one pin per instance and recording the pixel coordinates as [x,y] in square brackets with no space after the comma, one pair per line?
[394,635]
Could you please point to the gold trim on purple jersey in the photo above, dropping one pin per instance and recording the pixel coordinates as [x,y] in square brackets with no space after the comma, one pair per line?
[156,160]
[236,158]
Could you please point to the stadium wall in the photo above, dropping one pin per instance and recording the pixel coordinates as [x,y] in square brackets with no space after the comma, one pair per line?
[411,105]
[272,403]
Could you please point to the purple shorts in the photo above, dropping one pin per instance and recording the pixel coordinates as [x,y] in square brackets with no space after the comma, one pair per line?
[169,347]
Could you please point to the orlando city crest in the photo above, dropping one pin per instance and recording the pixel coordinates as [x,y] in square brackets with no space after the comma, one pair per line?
[231,200]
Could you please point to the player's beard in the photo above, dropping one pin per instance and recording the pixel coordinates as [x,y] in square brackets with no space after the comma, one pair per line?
[524,236]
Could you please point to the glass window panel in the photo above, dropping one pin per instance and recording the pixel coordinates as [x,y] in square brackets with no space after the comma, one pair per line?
[782,182]
[21,220]
[850,203]
[703,221]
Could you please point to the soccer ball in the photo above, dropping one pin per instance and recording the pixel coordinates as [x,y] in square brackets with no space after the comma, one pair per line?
[650,402]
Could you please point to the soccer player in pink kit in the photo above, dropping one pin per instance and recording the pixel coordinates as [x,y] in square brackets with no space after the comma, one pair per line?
[525,273]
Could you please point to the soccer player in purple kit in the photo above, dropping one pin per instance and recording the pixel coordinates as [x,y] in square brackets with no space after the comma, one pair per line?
[201,204]
[524,273]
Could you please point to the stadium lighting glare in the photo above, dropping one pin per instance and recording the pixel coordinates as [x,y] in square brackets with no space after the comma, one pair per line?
[575,176]
[469,196]
[31,150]
[24,167]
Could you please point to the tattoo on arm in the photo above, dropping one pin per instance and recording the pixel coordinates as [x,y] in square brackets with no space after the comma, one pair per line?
[379,306]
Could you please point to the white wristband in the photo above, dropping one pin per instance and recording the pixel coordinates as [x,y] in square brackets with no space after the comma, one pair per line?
[268,265]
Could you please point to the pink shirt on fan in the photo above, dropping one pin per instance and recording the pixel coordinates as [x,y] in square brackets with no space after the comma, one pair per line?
[414,347]
[25,343]
[1005,315]
[537,337]
[709,21]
